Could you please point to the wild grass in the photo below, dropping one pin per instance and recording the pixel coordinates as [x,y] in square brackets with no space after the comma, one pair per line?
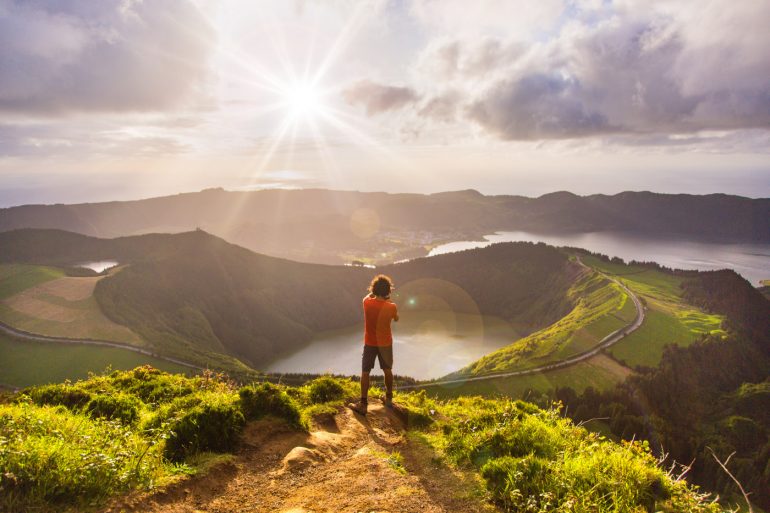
[535,460]
[72,446]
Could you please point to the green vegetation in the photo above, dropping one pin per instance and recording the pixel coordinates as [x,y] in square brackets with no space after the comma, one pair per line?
[15,278]
[711,395]
[43,300]
[670,319]
[197,298]
[268,399]
[25,363]
[536,460]
[598,372]
[73,445]
[601,307]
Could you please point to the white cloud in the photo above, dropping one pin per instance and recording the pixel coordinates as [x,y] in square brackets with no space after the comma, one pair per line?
[111,55]
[520,19]
[630,67]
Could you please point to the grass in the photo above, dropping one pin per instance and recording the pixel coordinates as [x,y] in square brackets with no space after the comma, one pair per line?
[15,278]
[536,460]
[669,319]
[599,372]
[601,307]
[72,446]
[25,363]
[42,300]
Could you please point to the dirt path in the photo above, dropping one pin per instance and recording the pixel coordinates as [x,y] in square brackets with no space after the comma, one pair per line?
[342,467]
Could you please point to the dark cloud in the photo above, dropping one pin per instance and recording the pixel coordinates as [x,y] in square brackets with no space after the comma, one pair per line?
[378,98]
[538,107]
[110,55]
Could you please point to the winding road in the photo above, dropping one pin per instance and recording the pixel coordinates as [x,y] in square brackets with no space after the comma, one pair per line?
[25,335]
[604,343]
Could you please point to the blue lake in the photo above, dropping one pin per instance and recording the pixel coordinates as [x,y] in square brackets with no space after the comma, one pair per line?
[752,261]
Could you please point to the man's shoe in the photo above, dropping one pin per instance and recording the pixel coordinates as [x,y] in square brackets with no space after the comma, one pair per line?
[359,407]
[388,402]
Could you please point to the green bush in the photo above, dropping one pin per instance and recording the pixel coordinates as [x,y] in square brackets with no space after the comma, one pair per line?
[325,389]
[51,458]
[122,407]
[263,399]
[515,481]
[62,394]
[212,426]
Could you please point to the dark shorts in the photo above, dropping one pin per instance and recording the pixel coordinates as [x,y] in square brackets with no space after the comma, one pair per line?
[383,353]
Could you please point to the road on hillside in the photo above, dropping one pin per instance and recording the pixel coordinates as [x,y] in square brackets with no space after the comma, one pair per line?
[17,333]
[606,342]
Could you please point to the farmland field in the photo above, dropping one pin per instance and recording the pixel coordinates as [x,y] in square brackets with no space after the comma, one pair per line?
[44,301]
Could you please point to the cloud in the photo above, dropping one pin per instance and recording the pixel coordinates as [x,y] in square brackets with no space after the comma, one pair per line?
[112,55]
[538,106]
[630,67]
[377,98]
[523,18]
[84,140]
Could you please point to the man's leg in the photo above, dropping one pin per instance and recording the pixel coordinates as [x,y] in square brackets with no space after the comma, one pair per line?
[388,386]
[364,386]
[386,364]
[367,362]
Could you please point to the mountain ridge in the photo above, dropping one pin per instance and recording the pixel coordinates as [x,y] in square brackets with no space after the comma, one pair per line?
[327,226]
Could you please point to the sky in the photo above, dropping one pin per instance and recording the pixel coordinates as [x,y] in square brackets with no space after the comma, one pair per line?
[122,99]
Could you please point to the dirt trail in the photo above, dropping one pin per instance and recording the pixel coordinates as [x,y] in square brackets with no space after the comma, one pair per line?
[342,466]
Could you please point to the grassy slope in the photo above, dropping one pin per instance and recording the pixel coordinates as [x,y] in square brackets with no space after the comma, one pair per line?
[670,320]
[24,363]
[39,299]
[15,278]
[599,372]
[601,307]
[62,458]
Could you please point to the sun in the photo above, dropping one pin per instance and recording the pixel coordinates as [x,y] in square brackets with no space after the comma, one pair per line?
[303,100]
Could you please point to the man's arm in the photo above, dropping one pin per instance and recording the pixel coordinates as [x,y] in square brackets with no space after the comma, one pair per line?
[395,312]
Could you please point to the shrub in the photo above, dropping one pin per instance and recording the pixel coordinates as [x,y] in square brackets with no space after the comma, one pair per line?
[122,407]
[62,394]
[325,389]
[516,481]
[51,458]
[263,399]
[210,426]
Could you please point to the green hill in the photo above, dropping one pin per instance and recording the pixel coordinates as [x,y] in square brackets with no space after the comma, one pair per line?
[77,446]
[196,297]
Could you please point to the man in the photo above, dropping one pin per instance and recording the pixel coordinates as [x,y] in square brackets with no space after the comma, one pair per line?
[379,311]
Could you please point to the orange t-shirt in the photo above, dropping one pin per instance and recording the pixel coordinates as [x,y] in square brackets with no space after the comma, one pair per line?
[377,316]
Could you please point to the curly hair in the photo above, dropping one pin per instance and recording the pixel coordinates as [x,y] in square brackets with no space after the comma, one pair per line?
[381,286]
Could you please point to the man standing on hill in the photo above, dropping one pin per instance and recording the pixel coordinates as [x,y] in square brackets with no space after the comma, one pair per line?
[379,311]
